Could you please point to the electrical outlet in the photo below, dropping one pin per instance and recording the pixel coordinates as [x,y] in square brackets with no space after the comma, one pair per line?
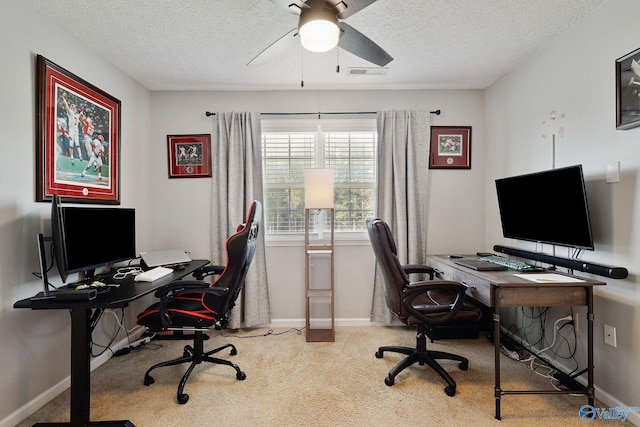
[610,335]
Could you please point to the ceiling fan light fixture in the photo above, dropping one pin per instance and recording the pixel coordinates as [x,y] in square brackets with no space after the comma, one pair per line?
[318,30]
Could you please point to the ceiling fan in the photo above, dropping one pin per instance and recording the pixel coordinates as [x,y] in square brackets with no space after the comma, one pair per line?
[320,29]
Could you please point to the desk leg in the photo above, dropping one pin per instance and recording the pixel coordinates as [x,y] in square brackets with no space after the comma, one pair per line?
[590,318]
[80,366]
[81,374]
[496,347]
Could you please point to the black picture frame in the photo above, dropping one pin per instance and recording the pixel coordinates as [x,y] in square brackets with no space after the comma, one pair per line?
[628,90]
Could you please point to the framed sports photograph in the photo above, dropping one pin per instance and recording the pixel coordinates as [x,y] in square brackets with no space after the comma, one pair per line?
[628,90]
[450,147]
[78,138]
[189,156]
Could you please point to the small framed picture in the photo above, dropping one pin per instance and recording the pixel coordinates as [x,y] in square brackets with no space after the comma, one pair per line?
[78,146]
[450,147]
[189,156]
[628,90]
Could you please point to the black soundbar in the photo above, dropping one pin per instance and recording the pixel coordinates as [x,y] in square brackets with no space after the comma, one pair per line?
[574,264]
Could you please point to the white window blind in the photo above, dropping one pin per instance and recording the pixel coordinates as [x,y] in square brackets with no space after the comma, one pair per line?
[347,146]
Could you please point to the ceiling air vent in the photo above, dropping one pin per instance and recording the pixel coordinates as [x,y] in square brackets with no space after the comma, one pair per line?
[367,71]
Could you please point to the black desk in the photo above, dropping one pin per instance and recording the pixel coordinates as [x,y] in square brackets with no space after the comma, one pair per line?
[504,289]
[82,315]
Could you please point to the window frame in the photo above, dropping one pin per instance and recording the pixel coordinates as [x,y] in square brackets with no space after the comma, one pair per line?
[294,124]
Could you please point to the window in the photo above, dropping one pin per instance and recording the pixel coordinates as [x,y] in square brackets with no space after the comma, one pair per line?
[289,146]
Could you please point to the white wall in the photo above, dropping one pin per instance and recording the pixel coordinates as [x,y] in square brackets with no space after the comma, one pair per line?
[575,76]
[456,205]
[34,354]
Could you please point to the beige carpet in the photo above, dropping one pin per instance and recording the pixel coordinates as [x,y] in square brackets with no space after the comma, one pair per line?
[294,383]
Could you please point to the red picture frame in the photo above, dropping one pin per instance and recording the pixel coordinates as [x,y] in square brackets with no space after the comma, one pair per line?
[189,156]
[78,142]
[450,147]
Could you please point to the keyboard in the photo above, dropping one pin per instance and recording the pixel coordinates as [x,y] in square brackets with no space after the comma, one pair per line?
[508,262]
[153,274]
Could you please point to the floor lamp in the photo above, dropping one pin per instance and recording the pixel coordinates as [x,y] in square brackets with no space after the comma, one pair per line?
[319,195]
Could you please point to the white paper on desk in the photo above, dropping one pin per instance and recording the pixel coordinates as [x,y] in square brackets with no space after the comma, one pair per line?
[549,278]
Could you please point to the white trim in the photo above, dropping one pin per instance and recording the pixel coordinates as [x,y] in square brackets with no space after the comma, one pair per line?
[308,123]
[32,406]
[292,240]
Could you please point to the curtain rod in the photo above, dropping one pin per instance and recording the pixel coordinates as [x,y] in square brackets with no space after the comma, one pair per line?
[209,113]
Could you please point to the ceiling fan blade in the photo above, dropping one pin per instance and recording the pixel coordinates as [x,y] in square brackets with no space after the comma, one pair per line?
[293,6]
[353,6]
[360,45]
[276,48]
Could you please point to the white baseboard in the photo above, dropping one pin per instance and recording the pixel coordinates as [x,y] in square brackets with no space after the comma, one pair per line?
[48,395]
[300,323]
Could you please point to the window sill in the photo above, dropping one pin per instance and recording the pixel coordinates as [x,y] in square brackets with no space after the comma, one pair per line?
[340,239]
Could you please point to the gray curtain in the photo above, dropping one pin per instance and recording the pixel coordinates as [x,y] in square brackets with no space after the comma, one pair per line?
[403,165]
[237,181]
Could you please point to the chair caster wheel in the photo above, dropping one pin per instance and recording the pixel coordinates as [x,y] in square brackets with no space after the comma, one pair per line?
[183,398]
[148,380]
[241,376]
[234,352]
[463,366]
[378,355]
[450,390]
[389,381]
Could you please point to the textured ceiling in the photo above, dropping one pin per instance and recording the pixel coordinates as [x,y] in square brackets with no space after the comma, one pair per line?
[206,44]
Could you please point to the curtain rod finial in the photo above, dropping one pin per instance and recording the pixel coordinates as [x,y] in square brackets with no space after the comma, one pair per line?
[209,114]
[436,112]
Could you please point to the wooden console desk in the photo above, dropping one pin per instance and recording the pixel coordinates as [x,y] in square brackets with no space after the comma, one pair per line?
[504,289]
[83,314]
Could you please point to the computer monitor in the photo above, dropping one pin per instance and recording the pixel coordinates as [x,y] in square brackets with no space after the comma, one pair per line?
[86,238]
[546,207]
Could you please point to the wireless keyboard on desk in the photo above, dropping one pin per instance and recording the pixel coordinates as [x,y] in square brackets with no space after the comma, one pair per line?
[507,262]
[153,274]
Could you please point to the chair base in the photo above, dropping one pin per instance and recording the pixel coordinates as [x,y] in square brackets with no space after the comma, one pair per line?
[422,356]
[194,355]
[174,336]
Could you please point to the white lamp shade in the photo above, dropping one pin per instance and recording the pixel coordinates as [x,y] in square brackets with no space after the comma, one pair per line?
[319,35]
[318,188]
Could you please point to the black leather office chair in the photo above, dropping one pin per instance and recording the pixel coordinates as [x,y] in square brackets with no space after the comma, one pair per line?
[423,304]
[196,306]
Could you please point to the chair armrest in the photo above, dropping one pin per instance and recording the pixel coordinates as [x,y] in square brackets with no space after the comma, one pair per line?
[419,269]
[208,270]
[436,314]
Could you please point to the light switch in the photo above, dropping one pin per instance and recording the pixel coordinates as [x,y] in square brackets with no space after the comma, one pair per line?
[613,172]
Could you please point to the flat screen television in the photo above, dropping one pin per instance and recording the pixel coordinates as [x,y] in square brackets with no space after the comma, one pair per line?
[86,238]
[547,207]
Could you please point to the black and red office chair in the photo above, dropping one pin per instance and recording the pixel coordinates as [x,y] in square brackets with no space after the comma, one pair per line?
[423,304]
[196,306]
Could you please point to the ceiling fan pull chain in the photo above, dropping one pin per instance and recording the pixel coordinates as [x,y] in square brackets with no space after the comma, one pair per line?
[301,66]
